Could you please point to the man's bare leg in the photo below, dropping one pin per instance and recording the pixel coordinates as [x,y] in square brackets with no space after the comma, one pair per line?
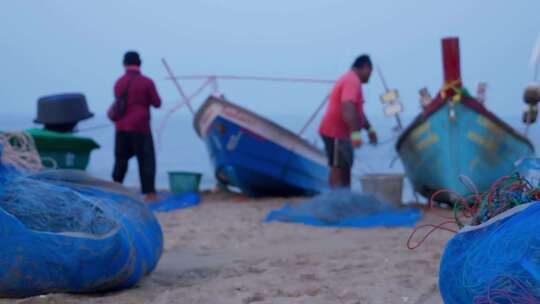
[346,178]
[340,178]
[335,178]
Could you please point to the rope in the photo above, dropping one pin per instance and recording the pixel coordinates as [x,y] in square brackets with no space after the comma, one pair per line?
[434,228]
[508,289]
[161,128]
[389,140]
[505,193]
[177,85]
[19,150]
[111,125]
[97,127]
[252,78]
[314,115]
[213,80]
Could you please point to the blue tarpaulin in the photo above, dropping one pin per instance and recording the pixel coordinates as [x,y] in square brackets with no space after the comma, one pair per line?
[176,201]
[343,208]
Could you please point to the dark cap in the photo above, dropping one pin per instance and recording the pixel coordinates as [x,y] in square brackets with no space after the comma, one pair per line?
[132,58]
[362,61]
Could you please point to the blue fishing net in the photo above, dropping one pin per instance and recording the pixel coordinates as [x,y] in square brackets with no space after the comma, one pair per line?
[496,262]
[47,207]
[342,208]
[67,232]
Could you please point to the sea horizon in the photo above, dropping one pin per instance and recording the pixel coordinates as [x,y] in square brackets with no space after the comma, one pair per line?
[178,147]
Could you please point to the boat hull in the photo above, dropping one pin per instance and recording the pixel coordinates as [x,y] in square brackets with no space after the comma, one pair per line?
[436,149]
[257,156]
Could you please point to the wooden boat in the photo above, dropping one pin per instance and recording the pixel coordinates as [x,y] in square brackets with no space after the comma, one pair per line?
[456,135]
[256,155]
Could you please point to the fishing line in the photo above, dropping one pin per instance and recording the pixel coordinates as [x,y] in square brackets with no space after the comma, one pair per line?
[97,127]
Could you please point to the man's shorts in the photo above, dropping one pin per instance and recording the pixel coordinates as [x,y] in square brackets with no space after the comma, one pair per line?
[340,152]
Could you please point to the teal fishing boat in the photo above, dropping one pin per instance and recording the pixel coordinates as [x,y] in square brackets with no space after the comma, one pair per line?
[457,136]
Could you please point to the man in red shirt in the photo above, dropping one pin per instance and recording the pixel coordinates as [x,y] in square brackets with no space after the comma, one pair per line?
[344,119]
[133,135]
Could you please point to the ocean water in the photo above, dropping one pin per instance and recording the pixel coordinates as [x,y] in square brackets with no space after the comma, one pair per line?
[178,147]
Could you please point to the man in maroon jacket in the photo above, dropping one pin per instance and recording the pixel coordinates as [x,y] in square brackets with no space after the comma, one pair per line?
[133,134]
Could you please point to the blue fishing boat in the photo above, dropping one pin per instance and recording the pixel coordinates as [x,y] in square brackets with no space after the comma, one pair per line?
[256,155]
[456,135]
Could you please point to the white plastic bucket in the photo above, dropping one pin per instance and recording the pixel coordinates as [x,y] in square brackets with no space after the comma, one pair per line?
[388,187]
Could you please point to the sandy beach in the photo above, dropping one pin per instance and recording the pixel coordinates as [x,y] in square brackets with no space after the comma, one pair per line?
[105,103]
[220,252]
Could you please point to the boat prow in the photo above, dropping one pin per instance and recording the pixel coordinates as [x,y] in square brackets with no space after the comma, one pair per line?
[437,149]
[457,136]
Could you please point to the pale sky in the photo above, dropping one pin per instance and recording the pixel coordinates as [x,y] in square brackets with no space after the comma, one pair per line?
[53,46]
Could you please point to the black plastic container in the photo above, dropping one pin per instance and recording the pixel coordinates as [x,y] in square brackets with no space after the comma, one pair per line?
[62,112]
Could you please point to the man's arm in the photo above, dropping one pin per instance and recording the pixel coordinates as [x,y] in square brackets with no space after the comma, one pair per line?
[371,132]
[116,89]
[367,125]
[350,115]
[155,101]
[352,118]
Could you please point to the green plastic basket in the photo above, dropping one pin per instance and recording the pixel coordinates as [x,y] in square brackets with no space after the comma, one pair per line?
[183,182]
[63,150]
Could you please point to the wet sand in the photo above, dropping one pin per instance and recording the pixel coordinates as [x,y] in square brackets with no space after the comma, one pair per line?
[221,252]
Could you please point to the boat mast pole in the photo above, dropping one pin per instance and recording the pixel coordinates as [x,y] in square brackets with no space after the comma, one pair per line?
[452,72]
[383,80]
[177,85]
[535,79]
[535,62]
[451,60]
[386,90]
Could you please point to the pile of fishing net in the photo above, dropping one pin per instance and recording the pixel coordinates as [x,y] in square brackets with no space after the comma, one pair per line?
[529,168]
[19,150]
[495,257]
[63,231]
[343,208]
